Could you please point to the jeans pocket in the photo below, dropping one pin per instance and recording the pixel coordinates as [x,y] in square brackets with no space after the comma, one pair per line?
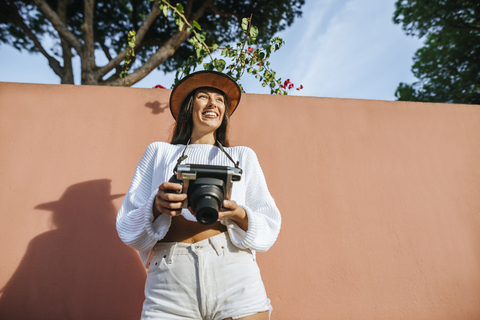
[236,254]
[157,263]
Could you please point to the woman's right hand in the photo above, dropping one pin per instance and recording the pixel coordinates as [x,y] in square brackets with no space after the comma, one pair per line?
[168,203]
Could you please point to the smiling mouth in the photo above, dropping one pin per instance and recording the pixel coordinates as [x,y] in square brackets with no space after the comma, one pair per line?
[210,114]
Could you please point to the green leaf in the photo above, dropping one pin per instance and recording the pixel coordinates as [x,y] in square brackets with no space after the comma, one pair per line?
[201,36]
[165,10]
[179,8]
[196,25]
[267,75]
[208,66]
[253,32]
[214,47]
[201,52]
[179,22]
[193,41]
[219,64]
[244,24]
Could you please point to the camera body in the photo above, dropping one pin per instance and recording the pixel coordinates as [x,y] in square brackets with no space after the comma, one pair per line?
[206,187]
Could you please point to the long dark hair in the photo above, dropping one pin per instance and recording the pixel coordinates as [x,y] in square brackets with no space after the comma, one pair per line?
[184,125]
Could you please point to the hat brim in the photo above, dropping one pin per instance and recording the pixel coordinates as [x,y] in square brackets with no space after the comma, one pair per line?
[200,79]
[57,204]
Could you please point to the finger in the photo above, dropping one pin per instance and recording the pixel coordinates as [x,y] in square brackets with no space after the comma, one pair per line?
[169,212]
[170,204]
[170,186]
[229,204]
[175,197]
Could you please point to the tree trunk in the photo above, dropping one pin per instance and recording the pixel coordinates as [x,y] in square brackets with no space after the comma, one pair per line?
[67,77]
[88,48]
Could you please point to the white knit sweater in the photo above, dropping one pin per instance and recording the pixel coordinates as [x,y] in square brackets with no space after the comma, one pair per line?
[135,224]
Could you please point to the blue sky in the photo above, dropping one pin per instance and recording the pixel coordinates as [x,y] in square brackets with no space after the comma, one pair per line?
[338,48]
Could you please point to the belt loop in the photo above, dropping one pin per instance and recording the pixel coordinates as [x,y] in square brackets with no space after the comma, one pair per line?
[171,252]
[216,246]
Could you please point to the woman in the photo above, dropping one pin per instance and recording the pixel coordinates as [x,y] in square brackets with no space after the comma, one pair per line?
[198,271]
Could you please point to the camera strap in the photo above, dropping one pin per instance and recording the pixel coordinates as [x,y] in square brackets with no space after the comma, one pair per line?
[184,156]
[181,158]
[228,156]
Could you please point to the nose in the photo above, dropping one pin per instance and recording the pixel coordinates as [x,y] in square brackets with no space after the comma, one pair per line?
[212,102]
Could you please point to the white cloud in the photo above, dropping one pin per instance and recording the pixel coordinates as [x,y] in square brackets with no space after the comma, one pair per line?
[348,49]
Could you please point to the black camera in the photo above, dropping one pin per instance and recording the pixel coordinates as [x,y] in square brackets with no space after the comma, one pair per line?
[206,187]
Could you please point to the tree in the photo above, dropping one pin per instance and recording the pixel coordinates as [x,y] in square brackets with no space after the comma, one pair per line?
[88,26]
[448,66]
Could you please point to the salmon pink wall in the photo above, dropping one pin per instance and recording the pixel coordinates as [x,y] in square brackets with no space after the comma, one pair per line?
[380,202]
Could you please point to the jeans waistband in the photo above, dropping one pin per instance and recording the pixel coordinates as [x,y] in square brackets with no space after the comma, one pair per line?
[170,249]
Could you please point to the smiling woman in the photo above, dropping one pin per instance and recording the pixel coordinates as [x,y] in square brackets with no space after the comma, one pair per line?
[208,111]
[201,269]
[202,116]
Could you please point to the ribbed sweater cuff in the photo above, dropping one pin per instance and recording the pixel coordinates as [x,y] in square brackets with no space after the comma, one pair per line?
[157,228]
[238,236]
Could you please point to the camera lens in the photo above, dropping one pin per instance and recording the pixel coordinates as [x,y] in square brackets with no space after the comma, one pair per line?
[206,197]
[206,210]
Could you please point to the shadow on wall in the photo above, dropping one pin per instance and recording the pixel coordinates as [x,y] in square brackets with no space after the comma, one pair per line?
[80,269]
[157,107]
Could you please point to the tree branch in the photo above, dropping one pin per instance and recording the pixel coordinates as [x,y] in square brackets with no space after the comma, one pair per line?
[61,28]
[465,25]
[187,22]
[115,62]
[105,49]
[162,54]
[18,20]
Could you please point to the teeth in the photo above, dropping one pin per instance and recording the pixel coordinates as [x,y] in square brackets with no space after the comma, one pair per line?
[210,114]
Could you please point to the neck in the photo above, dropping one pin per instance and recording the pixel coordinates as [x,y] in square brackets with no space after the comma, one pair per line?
[203,139]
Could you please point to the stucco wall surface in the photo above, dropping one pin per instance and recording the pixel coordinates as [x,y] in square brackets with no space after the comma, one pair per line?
[380,203]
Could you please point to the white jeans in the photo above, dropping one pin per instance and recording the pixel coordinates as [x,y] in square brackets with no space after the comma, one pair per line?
[210,280]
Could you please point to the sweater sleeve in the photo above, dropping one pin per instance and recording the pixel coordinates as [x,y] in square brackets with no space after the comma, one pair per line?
[135,224]
[264,218]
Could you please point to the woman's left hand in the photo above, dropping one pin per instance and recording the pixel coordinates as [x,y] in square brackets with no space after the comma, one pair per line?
[234,212]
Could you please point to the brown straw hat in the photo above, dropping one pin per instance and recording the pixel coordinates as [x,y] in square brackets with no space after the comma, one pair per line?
[201,79]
